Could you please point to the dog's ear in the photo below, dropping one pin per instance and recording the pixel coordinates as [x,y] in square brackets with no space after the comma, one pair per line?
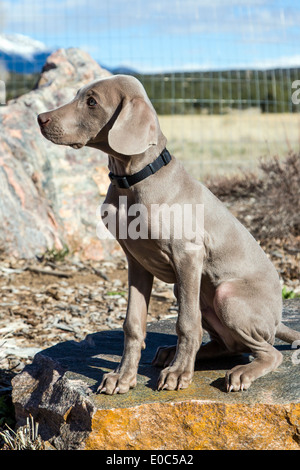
[135,129]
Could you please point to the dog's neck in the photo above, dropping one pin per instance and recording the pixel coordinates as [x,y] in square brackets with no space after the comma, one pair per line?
[130,164]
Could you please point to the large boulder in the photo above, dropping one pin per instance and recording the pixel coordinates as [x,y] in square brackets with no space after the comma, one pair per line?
[48,193]
[59,390]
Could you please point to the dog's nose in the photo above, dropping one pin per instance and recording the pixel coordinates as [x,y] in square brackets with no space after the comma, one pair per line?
[43,119]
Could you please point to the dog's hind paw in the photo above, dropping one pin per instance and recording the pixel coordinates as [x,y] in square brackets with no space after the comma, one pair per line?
[238,379]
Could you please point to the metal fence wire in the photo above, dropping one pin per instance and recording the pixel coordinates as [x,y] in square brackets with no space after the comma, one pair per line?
[220,74]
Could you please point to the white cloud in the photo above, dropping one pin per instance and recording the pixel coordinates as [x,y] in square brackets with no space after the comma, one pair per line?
[170,16]
[165,68]
[221,28]
[279,62]
[21,45]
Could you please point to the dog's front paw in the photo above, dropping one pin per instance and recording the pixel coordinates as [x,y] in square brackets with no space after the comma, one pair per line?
[172,378]
[114,382]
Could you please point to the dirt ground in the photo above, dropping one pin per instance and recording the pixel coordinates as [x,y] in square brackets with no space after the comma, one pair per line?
[42,304]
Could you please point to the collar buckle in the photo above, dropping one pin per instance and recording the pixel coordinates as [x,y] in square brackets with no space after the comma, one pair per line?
[119,181]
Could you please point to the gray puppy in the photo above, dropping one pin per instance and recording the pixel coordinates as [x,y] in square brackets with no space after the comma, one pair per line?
[222,279]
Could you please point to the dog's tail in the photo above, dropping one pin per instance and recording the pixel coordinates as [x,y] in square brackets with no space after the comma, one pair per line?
[287,334]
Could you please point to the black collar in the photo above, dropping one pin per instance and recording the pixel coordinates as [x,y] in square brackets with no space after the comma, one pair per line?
[126,181]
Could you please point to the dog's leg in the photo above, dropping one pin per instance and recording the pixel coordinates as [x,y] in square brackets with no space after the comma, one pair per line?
[180,372]
[249,320]
[124,377]
[215,348]
[165,354]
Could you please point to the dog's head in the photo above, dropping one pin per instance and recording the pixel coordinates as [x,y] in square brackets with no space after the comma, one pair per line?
[113,114]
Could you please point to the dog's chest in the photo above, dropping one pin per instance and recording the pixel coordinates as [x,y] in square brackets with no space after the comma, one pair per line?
[150,255]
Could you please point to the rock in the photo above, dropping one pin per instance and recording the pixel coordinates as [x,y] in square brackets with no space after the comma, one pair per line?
[58,390]
[69,400]
[50,193]
[101,179]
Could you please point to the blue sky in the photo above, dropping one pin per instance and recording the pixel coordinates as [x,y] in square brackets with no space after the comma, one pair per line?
[164,35]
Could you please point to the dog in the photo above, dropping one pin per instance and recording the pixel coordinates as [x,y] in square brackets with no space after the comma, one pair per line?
[223,280]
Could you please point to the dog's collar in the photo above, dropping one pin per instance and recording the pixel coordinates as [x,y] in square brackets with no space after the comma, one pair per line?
[129,180]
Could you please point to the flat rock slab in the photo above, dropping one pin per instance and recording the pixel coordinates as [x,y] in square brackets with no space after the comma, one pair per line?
[59,390]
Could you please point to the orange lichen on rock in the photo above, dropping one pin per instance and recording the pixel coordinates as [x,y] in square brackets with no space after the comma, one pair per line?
[196,425]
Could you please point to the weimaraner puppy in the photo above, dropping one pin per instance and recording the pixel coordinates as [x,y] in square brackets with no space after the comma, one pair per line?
[223,280]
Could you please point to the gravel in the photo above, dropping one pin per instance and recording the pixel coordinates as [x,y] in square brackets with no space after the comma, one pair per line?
[45,303]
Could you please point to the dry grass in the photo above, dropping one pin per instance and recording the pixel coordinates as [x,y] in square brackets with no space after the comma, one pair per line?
[221,144]
[25,438]
[267,202]
[273,194]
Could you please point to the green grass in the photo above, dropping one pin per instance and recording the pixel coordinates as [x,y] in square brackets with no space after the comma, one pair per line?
[56,255]
[289,293]
[112,293]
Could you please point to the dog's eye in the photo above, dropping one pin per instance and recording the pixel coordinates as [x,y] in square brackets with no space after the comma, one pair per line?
[91,102]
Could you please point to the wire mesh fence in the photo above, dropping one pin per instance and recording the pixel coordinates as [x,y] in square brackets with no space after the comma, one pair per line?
[220,74]
[219,92]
